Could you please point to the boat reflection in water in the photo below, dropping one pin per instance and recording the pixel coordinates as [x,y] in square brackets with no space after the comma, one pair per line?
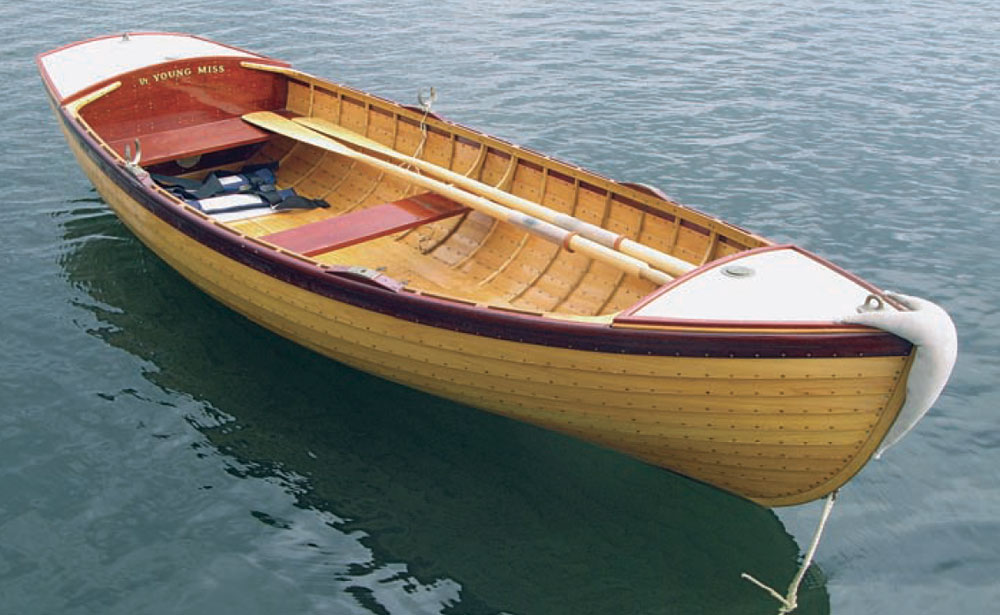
[430,497]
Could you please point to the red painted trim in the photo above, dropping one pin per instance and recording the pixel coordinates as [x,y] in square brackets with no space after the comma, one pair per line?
[495,151]
[561,177]
[585,185]
[364,225]
[534,166]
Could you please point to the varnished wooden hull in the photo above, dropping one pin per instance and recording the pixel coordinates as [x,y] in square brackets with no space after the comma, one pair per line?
[779,415]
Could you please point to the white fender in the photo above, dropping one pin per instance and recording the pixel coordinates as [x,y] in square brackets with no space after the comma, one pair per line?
[928,327]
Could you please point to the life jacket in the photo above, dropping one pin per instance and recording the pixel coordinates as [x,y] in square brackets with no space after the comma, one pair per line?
[252,187]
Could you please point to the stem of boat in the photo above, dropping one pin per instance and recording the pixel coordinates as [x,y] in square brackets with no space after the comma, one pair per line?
[610,239]
[569,239]
[790,601]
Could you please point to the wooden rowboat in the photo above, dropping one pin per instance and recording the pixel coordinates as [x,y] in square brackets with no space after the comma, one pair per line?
[462,265]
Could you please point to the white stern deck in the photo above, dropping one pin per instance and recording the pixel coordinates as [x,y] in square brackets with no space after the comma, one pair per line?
[775,285]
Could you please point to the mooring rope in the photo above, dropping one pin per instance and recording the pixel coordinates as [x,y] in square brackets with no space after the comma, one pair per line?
[425,104]
[790,601]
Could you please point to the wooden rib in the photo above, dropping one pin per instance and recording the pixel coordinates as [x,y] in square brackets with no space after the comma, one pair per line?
[710,248]
[395,130]
[609,203]
[358,200]
[364,196]
[557,254]
[413,189]
[525,238]
[307,174]
[339,97]
[475,168]
[672,242]
[501,184]
[541,274]
[503,266]
[368,117]
[451,154]
[336,185]
[590,263]
[508,178]
[623,281]
[611,296]
[281,161]
[297,163]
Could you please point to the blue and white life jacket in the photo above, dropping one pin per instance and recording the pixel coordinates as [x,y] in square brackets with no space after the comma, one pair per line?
[252,187]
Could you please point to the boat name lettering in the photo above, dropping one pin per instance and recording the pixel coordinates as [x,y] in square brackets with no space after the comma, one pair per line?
[177,73]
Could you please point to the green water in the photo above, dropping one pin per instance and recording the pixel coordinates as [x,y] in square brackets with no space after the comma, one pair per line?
[160,454]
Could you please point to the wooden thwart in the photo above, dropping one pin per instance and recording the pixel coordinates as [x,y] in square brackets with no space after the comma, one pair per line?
[366,224]
[189,141]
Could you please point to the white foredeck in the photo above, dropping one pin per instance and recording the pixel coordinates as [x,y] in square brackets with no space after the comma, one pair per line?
[781,285]
[80,66]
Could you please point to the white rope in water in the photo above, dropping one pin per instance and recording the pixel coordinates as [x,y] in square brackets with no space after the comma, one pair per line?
[790,601]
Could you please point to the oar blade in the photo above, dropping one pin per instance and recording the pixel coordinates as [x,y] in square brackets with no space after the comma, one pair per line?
[272,122]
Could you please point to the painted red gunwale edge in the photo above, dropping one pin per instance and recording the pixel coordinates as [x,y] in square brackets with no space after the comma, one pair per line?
[478,320]
[628,316]
[50,86]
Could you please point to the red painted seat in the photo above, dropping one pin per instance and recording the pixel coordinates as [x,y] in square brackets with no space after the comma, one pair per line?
[189,141]
[366,224]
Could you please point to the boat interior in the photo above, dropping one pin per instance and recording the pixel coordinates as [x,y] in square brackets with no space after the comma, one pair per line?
[429,243]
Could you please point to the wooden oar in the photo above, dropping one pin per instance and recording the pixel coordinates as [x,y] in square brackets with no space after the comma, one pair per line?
[655,258]
[283,126]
